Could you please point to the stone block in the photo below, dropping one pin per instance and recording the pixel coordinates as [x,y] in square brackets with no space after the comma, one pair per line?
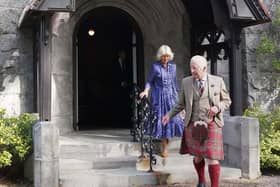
[8,23]
[46,173]
[63,123]
[46,154]
[14,3]
[241,140]
[250,163]
[232,156]
[250,132]
[250,151]
[62,94]
[231,131]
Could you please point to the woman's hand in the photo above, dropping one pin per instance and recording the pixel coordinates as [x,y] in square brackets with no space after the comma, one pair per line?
[144,93]
[165,120]
[183,114]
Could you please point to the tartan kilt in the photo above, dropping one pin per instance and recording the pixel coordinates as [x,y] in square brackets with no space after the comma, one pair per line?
[211,148]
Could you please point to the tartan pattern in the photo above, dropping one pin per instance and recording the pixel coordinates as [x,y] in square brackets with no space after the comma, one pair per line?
[212,148]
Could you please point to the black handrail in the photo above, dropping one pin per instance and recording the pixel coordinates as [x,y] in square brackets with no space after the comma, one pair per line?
[144,120]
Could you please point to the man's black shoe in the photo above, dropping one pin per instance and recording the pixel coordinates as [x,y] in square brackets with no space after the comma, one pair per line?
[201,185]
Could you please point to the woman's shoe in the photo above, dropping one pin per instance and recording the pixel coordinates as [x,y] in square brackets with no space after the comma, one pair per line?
[164,154]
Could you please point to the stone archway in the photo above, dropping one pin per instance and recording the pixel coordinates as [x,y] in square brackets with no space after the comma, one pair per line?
[102,101]
[160,22]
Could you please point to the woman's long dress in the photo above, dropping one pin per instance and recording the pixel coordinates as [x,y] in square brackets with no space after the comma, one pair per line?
[163,88]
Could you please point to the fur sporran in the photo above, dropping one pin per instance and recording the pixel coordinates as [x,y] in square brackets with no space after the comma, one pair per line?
[200,131]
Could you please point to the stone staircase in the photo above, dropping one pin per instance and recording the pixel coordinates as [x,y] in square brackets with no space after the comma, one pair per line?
[108,158]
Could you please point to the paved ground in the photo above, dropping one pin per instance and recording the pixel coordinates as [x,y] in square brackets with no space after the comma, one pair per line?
[264,181]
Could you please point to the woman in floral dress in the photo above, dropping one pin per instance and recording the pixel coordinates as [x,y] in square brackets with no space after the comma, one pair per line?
[162,86]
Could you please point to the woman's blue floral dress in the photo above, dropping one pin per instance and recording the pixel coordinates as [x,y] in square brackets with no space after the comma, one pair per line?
[163,88]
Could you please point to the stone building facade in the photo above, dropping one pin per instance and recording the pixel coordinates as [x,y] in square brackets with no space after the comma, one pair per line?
[51,65]
[153,23]
[16,60]
[262,78]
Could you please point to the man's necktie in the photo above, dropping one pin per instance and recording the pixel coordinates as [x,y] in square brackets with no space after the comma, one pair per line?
[200,87]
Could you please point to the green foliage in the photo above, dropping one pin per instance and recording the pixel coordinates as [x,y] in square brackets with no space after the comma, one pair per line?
[266,46]
[276,22]
[270,151]
[15,137]
[276,64]
[269,136]
[269,45]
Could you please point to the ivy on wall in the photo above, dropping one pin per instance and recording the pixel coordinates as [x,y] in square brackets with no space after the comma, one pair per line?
[269,45]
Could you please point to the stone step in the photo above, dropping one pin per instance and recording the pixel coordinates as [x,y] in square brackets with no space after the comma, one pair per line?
[103,163]
[121,177]
[88,150]
[74,164]
[129,176]
[172,161]
[100,160]
[86,147]
[94,151]
[114,163]
[173,169]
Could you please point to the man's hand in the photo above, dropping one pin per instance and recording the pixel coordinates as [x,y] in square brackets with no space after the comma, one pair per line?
[165,119]
[212,111]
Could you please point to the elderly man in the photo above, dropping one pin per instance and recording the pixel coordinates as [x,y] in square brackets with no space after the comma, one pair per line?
[204,98]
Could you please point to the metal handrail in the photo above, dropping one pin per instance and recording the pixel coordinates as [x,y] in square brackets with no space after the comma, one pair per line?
[144,120]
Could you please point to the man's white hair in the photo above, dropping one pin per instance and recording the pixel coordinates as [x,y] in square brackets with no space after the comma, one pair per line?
[199,60]
[165,50]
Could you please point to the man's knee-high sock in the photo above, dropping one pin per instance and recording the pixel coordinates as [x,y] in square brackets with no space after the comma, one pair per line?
[199,167]
[214,173]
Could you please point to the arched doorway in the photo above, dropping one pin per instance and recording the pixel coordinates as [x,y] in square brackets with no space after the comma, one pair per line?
[101,99]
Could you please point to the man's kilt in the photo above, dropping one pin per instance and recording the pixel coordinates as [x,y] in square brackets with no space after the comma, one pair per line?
[211,148]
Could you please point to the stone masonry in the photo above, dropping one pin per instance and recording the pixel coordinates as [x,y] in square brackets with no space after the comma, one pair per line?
[16,63]
[262,80]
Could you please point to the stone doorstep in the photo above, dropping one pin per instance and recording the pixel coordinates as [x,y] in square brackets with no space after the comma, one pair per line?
[88,150]
[123,177]
[175,169]
[113,178]
[90,162]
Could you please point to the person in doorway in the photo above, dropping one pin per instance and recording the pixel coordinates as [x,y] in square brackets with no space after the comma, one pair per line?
[121,81]
[204,98]
[162,85]
[122,69]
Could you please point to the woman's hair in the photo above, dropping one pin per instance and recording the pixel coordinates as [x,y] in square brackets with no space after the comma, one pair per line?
[199,60]
[165,50]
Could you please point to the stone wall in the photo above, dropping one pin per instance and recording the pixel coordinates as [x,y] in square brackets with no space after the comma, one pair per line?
[16,61]
[262,79]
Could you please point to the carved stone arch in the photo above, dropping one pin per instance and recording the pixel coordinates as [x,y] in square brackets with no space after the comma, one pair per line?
[159,21]
[148,14]
[178,7]
[135,10]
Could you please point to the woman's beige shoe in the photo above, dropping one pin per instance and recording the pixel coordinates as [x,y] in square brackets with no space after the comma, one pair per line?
[164,154]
